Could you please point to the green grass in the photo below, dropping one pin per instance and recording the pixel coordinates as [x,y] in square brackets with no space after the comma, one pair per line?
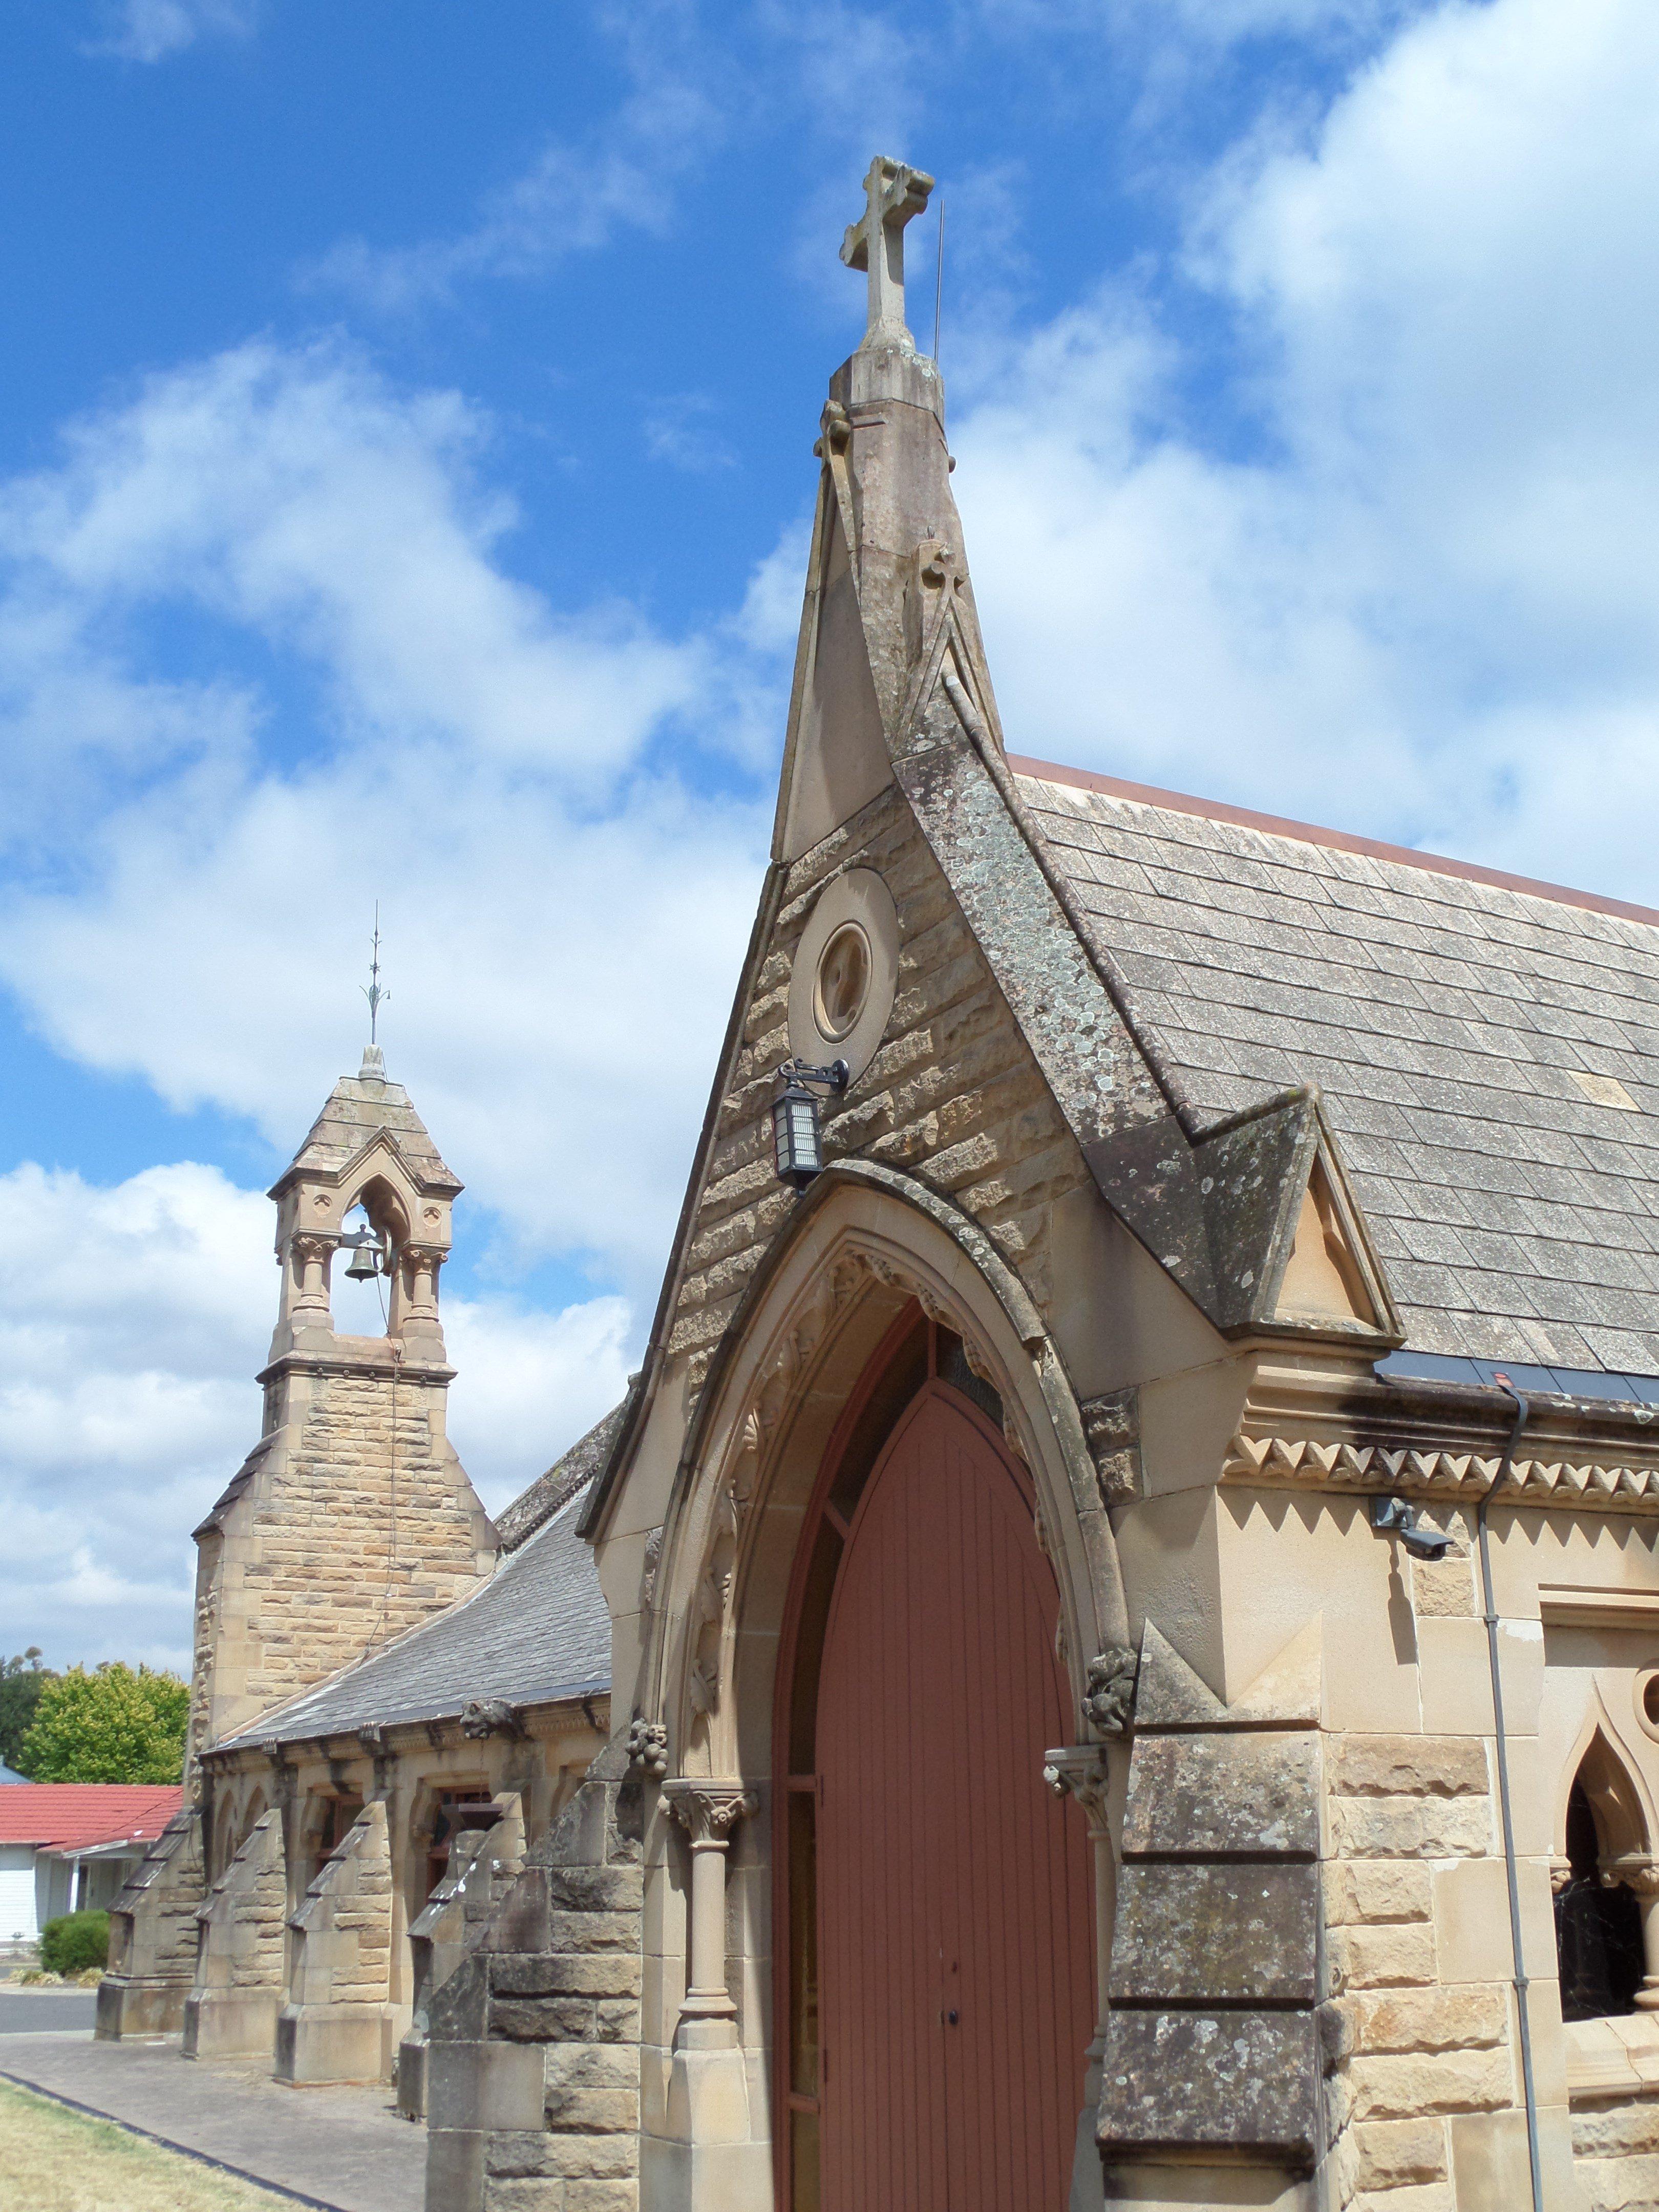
[52,2160]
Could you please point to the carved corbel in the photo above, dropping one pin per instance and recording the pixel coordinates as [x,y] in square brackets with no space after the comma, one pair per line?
[648,1747]
[1078,1771]
[488,1717]
[834,430]
[1109,1699]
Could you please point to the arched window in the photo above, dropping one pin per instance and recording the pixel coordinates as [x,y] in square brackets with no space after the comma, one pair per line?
[1598,1919]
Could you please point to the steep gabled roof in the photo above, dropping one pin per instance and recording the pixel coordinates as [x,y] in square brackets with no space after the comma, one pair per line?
[359,1109]
[1471,1036]
[1276,1055]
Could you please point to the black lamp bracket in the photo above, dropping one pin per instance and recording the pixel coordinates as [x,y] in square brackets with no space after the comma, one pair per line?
[836,1077]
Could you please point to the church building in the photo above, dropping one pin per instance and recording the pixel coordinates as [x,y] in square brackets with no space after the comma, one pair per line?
[1130,1614]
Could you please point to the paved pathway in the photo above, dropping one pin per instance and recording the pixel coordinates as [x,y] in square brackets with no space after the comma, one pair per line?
[339,2149]
[32,2011]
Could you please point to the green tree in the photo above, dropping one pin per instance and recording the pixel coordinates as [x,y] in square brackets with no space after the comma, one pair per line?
[22,1678]
[111,1725]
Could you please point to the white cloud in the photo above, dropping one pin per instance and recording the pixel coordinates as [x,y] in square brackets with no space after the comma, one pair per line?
[1422,602]
[563,915]
[150,30]
[528,1384]
[135,1317]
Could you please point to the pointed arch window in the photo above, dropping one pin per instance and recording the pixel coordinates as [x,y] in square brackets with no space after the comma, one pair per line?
[1606,1895]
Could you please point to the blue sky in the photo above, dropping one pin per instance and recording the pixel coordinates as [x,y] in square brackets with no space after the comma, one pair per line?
[405,466]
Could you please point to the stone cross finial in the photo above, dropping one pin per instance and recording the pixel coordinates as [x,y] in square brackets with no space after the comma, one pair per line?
[893,194]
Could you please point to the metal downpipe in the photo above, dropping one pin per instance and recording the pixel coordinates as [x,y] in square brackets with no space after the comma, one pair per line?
[1529,2089]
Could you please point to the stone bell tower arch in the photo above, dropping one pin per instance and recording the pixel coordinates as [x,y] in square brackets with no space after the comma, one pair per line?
[352,1519]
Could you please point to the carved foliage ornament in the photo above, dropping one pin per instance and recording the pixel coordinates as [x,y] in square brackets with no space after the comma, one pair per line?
[647,1747]
[708,1811]
[1109,1699]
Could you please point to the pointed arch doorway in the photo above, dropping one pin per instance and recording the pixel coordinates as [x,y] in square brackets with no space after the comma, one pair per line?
[938,1983]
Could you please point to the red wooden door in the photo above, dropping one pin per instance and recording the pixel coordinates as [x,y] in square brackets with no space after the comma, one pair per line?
[955,1896]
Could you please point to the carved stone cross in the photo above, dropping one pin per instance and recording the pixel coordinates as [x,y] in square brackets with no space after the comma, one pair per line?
[893,194]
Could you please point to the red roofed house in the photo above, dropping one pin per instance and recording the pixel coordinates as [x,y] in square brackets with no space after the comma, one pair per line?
[68,1844]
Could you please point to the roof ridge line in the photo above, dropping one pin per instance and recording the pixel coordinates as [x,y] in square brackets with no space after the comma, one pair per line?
[1309,833]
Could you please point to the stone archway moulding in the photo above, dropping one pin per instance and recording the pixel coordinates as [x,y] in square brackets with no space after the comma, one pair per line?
[864,1238]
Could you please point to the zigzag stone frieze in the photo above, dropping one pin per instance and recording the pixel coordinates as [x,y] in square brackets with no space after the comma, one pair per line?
[1303,1460]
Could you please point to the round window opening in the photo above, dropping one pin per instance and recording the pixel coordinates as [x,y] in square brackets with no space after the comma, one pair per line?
[1647,1700]
[843,980]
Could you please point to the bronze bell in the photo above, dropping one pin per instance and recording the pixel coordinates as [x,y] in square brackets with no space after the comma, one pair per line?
[365,1261]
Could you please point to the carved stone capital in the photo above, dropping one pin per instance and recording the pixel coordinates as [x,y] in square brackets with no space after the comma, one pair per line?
[310,1244]
[708,1810]
[1079,1770]
[1560,1874]
[1632,1870]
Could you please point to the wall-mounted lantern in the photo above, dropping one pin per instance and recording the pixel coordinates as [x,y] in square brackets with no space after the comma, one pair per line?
[797,1146]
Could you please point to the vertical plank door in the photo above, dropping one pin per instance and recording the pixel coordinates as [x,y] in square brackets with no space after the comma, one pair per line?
[955,1894]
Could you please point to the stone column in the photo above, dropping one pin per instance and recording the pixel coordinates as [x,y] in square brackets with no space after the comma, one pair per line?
[311,1257]
[708,2089]
[1640,1873]
[417,1269]
[1078,1771]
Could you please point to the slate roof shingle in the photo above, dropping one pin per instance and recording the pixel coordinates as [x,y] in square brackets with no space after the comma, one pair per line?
[1442,1017]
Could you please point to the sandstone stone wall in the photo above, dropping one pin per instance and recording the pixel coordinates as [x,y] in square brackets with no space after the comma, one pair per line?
[355,1523]
[484,1864]
[152,1936]
[1414,2040]
[533,2065]
[1616,2154]
[241,1942]
[333,2026]
[953,1095]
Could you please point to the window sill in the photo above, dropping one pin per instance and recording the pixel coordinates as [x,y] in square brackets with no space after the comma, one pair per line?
[1613,2057]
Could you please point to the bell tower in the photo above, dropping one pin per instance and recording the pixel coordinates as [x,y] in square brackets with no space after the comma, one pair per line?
[352,1519]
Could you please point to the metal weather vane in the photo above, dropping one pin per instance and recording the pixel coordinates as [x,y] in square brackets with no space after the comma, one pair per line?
[372,990]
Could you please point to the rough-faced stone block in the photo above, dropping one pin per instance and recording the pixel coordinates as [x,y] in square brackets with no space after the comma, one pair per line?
[593,2111]
[1410,1827]
[1381,1957]
[1469,2017]
[520,1920]
[579,1974]
[1376,1889]
[1237,2081]
[1394,2154]
[1218,1932]
[1205,1795]
[1408,1766]
[596,1889]
[1402,2088]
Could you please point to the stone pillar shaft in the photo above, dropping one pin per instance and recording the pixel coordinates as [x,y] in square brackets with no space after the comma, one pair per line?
[708,1811]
